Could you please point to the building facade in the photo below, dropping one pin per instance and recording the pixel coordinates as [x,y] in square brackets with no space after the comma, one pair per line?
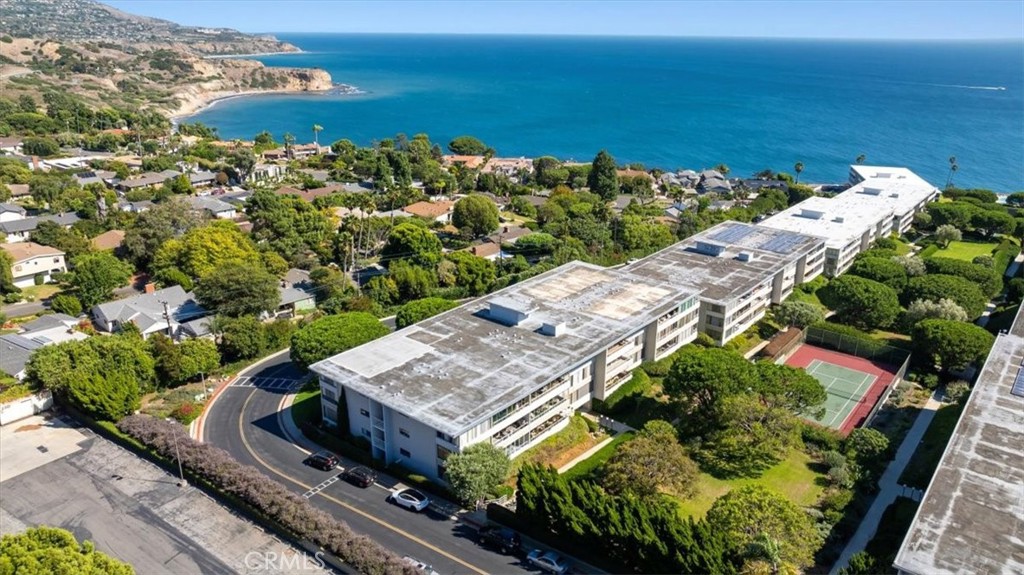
[32,263]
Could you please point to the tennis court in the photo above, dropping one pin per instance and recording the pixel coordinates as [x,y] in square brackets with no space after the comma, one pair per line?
[845,388]
[852,384]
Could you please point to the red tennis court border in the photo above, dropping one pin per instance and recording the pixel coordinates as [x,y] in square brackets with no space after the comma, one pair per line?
[884,372]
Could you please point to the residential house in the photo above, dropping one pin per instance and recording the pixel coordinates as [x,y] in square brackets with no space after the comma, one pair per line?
[713,181]
[163,311]
[135,207]
[266,173]
[31,262]
[102,177]
[300,151]
[10,212]
[487,250]
[438,211]
[509,234]
[213,206]
[19,190]
[147,180]
[108,241]
[311,194]
[21,230]
[16,349]
[202,179]
[468,162]
[11,145]
[297,293]
[508,167]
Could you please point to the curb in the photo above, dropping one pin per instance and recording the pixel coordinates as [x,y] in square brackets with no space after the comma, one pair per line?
[196,429]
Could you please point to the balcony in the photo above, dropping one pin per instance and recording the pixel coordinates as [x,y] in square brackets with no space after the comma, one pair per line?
[519,444]
[526,420]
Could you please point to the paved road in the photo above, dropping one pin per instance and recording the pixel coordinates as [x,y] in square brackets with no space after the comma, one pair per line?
[244,421]
[34,307]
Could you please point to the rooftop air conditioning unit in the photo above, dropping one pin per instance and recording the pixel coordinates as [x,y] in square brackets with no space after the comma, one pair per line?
[745,257]
[552,329]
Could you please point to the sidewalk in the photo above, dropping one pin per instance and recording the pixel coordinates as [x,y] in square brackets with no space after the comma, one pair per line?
[889,485]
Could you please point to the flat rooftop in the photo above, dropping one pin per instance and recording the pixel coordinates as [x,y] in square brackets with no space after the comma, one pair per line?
[840,220]
[897,188]
[710,262]
[455,369]
[971,519]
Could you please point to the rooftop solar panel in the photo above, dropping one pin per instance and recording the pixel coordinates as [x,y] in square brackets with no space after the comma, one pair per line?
[734,234]
[1018,384]
[783,243]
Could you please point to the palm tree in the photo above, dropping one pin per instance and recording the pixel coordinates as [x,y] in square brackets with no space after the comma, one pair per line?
[764,557]
[317,128]
[953,167]
[799,167]
[289,139]
[861,158]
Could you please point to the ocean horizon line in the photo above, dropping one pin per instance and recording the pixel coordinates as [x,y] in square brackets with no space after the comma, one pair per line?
[1009,40]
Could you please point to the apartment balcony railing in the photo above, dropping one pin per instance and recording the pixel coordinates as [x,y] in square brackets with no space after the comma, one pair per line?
[526,420]
[514,408]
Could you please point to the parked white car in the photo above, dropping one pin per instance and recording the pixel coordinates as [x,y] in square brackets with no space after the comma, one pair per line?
[410,499]
[548,561]
[424,567]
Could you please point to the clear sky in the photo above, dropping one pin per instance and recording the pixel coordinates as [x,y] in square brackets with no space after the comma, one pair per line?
[880,19]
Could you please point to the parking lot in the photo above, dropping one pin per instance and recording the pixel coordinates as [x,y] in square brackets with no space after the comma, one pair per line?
[130,508]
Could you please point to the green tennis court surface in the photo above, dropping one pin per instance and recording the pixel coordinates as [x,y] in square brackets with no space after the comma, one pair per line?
[845,389]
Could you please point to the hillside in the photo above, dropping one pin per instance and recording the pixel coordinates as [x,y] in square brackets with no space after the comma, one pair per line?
[111,58]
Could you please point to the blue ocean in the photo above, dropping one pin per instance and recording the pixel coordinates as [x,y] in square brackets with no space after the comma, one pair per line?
[669,102]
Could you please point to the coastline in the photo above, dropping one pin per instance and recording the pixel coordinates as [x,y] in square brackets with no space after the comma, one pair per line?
[253,55]
[193,105]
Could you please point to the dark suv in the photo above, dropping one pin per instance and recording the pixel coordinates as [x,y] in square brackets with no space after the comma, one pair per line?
[505,540]
[324,461]
[359,476]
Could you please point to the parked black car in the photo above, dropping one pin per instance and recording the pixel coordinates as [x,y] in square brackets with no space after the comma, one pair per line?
[324,461]
[501,538]
[359,476]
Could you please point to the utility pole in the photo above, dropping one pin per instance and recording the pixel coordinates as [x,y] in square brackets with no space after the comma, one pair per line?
[177,455]
[167,318]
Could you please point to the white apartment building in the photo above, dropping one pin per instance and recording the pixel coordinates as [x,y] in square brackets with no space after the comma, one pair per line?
[509,368]
[882,201]
[738,269]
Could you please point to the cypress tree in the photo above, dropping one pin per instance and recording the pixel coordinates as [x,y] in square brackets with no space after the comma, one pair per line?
[603,179]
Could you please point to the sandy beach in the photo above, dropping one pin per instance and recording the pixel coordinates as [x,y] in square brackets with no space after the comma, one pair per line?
[253,55]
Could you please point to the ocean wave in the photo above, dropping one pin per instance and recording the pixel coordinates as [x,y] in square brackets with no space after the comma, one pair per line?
[965,87]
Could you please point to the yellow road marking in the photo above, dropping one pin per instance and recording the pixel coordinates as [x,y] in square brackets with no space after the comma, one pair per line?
[410,536]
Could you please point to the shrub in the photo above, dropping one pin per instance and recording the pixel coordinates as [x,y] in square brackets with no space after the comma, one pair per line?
[821,437]
[986,278]
[958,391]
[833,459]
[187,412]
[277,502]
[67,304]
[836,499]
[39,279]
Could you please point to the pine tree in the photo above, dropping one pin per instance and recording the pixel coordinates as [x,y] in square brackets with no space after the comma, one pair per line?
[603,179]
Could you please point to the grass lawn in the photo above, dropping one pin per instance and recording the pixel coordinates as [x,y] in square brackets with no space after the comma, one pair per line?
[306,407]
[587,466]
[793,478]
[924,461]
[966,251]
[560,448]
[41,292]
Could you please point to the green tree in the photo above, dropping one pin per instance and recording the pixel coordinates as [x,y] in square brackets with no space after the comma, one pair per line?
[798,168]
[421,309]
[179,185]
[751,438]
[861,302]
[473,273]
[798,313]
[789,388]
[382,289]
[204,250]
[989,280]
[6,275]
[953,345]
[178,363]
[652,461]
[477,471]
[934,287]
[993,222]
[44,147]
[152,228]
[1015,200]
[172,276]
[412,243]
[288,224]
[475,215]
[881,270]
[66,304]
[923,309]
[52,550]
[946,233]
[71,242]
[467,146]
[96,275]
[701,379]
[868,447]
[333,334]
[747,513]
[955,214]
[861,563]
[240,338]
[411,281]
[604,178]
[236,289]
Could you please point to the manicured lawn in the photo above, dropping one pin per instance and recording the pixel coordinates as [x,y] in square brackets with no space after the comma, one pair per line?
[586,467]
[966,251]
[41,292]
[922,465]
[793,478]
[306,408]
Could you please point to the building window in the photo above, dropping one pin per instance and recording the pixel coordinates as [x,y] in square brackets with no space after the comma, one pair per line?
[17,268]
[446,437]
[403,432]
[443,453]
[56,260]
[405,452]
[364,413]
[366,432]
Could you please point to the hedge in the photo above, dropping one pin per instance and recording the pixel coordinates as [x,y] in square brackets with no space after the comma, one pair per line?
[267,496]
[638,384]
[1004,253]
[929,251]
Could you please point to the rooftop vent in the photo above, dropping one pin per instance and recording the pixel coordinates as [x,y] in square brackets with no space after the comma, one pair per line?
[746,256]
[709,248]
[509,311]
[872,191]
[839,219]
[812,214]
[553,329]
